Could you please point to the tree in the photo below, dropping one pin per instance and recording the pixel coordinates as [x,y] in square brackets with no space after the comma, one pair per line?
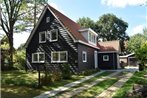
[86,22]
[141,53]
[136,41]
[111,27]
[9,16]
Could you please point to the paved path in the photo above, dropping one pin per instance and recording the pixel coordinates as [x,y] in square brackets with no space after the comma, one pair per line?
[111,90]
[80,89]
[66,87]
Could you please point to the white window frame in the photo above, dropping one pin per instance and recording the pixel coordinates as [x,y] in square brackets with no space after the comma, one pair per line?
[107,58]
[84,59]
[40,33]
[91,38]
[47,19]
[50,35]
[59,55]
[38,54]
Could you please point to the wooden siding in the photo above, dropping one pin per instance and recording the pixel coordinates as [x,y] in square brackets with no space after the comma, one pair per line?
[90,57]
[111,64]
[64,43]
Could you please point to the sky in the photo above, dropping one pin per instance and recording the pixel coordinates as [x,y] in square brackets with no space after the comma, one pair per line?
[134,12]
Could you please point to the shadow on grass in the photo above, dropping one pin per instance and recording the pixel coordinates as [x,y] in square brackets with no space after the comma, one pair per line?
[18,92]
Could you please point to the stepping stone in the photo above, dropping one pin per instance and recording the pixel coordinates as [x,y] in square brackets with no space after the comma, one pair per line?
[66,87]
[111,90]
[85,87]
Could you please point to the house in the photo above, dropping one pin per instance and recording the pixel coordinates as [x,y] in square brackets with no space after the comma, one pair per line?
[57,40]
[129,59]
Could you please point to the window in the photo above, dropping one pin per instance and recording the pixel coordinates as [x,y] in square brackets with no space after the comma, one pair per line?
[38,57]
[105,57]
[92,38]
[84,56]
[42,37]
[47,19]
[59,56]
[53,35]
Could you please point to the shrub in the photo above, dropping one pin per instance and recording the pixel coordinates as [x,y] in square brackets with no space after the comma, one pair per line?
[51,77]
[89,72]
[19,60]
[66,73]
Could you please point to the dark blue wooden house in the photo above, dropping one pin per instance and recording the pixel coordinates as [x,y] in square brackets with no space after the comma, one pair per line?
[57,40]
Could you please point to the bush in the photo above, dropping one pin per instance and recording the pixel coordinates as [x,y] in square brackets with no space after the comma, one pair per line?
[66,73]
[51,77]
[19,60]
[89,72]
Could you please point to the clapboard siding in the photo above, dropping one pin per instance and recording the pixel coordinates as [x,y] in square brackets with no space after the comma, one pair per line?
[90,57]
[111,64]
[64,43]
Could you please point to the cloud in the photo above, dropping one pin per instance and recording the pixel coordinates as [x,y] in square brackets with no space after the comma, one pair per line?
[137,29]
[122,3]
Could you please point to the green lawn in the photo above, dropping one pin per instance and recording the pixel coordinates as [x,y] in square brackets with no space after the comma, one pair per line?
[99,88]
[137,78]
[21,84]
[85,82]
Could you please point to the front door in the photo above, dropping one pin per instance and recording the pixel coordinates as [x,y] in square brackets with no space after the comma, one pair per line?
[95,59]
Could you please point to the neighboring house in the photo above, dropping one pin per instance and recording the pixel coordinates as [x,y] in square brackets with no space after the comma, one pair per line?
[57,40]
[129,59]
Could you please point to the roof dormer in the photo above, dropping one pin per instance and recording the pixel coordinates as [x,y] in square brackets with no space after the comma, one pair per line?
[89,35]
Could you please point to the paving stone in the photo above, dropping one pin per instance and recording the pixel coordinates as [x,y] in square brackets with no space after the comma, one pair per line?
[111,90]
[85,87]
[66,87]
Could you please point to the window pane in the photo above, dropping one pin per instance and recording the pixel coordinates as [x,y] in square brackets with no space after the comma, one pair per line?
[63,56]
[54,35]
[35,57]
[105,58]
[41,57]
[47,19]
[55,56]
[48,35]
[42,37]
[84,56]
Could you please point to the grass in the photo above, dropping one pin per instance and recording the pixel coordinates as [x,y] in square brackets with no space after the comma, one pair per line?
[86,82]
[21,84]
[137,78]
[97,89]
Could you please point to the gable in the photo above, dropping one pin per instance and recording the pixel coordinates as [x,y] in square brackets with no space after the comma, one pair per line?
[70,26]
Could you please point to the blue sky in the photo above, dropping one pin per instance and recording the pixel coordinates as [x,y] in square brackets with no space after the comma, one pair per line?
[128,10]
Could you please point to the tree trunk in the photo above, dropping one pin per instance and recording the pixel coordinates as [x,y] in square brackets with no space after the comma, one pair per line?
[11,50]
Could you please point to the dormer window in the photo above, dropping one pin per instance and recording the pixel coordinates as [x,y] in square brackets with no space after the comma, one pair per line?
[91,38]
[42,37]
[47,19]
[89,35]
[53,35]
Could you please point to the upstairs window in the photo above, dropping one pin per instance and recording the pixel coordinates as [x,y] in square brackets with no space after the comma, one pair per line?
[53,35]
[42,37]
[105,57]
[47,19]
[92,38]
[38,57]
[84,56]
[59,56]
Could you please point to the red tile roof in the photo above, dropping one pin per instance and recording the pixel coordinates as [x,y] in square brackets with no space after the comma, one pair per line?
[109,46]
[70,25]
